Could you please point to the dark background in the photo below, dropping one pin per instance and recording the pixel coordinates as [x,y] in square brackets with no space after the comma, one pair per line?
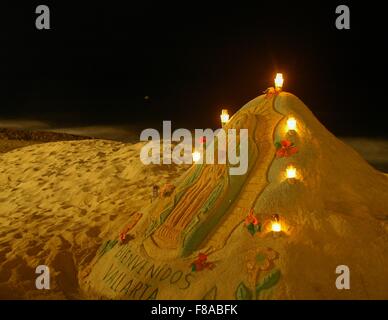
[99,61]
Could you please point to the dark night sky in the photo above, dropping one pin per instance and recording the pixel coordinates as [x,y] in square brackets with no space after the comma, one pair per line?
[191,58]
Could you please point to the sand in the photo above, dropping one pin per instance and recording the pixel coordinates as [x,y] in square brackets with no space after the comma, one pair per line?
[8,145]
[59,201]
[63,204]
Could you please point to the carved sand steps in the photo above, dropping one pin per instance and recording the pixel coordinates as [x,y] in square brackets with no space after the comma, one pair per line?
[169,235]
[166,241]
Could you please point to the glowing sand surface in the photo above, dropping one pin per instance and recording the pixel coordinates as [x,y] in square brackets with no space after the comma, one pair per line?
[60,202]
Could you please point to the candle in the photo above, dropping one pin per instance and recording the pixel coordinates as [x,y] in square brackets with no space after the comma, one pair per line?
[276,226]
[291,172]
[279,81]
[196,156]
[291,124]
[224,116]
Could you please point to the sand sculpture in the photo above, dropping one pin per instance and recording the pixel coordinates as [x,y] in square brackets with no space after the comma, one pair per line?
[212,238]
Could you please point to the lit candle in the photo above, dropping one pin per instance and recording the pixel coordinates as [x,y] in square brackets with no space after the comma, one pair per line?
[196,156]
[291,124]
[291,172]
[279,81]
[276,227]
[224,116]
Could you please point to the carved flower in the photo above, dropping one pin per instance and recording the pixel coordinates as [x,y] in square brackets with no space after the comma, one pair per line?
[258,260]
[201,263]
[270,92]
[285,148]
[251,218]
[252,223]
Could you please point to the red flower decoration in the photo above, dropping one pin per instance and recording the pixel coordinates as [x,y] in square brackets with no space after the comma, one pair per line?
[251,219]
[252,223]
[202,257]
[202,140]
[122,236]
[286,143]
[270,92]
[124,232]
[285,149]
[201,263]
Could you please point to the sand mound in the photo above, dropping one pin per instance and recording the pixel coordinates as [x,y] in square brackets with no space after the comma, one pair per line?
[59,201]
[11,138]
[201,242]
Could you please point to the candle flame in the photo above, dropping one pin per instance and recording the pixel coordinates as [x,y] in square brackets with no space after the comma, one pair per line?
[196,156]
[276,227]
[291,172]
[291,124]
[224,116]
[279,81]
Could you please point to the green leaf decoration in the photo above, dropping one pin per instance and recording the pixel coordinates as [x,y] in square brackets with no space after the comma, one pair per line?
[243,292]
[113,243]
[251,229]
[193,267]
[211,295]
[260,257]
[107,246]
[278,145]
[268,282]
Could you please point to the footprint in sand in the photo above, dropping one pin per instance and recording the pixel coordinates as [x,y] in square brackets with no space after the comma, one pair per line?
[96,219]
[5,274]
[18,235]
[93,232]
[35,250]
[66,278]
[112,217]
[4,252]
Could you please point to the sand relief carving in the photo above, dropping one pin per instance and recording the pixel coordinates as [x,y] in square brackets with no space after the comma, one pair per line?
[211,214]
[135,276]
[192,218]
[169,234]
[267,119]
[202,196]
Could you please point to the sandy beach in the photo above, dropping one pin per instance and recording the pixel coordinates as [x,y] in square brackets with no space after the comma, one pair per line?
[59,201]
